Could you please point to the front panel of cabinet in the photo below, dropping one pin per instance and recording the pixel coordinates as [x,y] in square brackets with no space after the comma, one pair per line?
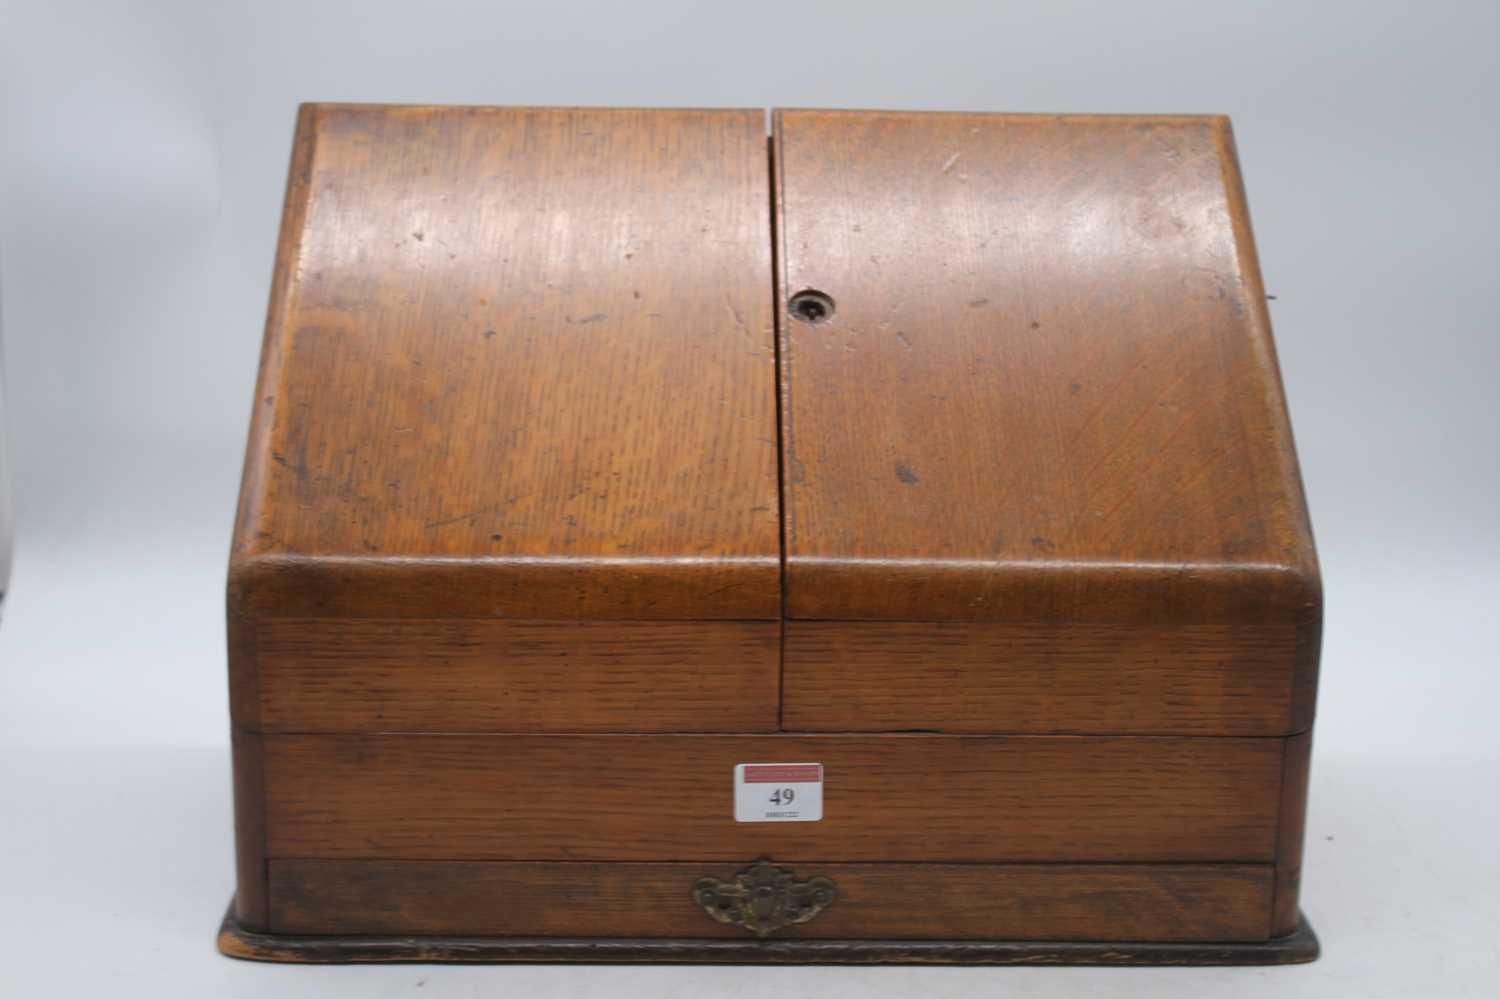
[517,581]
[660,797]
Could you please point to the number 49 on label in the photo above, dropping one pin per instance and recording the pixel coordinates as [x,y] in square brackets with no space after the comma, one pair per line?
[778,792]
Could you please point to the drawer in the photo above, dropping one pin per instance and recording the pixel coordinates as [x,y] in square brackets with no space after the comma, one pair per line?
[475,675]
[1041,677]
[669,797]
[1139,902]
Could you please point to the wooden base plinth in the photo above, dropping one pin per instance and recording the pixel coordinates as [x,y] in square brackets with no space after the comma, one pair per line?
[1296,948]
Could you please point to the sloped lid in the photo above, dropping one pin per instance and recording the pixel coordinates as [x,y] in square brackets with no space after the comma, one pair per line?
[1042,386]
[519,362]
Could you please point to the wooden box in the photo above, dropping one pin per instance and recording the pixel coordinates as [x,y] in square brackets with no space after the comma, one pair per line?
[938,461]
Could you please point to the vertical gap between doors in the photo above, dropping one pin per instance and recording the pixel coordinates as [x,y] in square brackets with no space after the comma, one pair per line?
[782,416]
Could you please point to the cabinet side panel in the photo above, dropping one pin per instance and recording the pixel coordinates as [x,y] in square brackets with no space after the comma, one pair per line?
[1309,654]
[249,830]
[1279,460]
[249,773]
[267,384]
[1291,828]
[244,675]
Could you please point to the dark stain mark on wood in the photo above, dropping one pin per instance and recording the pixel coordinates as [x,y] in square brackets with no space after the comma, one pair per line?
[298,468]
[906,475]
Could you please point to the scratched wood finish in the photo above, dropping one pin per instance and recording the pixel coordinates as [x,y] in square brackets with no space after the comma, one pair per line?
[1025,677]
[888,797]
[520,362]
[1049,380]
[875,901]
[517,676]
[1047,392]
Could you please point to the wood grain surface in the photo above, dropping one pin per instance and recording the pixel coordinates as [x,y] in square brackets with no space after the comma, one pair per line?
[1048,390]
[1047,394]
[668,797]
[516,578]
[237,941]
[1037,677]
[250,898]
[518,676]
[520,362]
[875,901]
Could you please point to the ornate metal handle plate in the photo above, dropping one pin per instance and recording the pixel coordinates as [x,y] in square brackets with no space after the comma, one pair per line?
[763,898]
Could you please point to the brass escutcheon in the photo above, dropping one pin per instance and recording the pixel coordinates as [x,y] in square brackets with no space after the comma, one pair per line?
[763,898]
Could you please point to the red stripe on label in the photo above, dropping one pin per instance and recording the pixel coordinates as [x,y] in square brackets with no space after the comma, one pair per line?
[773,773]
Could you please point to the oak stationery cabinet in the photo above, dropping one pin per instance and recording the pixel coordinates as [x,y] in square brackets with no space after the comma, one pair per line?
[884,545]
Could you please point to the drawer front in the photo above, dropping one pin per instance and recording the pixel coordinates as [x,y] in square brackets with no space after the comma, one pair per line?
[1138,902]
[663,797]
[1033,677]
[460,675]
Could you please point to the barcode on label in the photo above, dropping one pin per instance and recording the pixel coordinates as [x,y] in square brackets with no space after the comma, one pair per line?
[778,792]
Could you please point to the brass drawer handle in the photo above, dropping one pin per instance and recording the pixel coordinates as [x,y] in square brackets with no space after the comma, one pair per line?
[763,898]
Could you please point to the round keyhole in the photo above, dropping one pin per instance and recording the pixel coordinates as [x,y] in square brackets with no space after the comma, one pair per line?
[811,306]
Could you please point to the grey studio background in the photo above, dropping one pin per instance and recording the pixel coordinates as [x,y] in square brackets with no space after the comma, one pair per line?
[144,153]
